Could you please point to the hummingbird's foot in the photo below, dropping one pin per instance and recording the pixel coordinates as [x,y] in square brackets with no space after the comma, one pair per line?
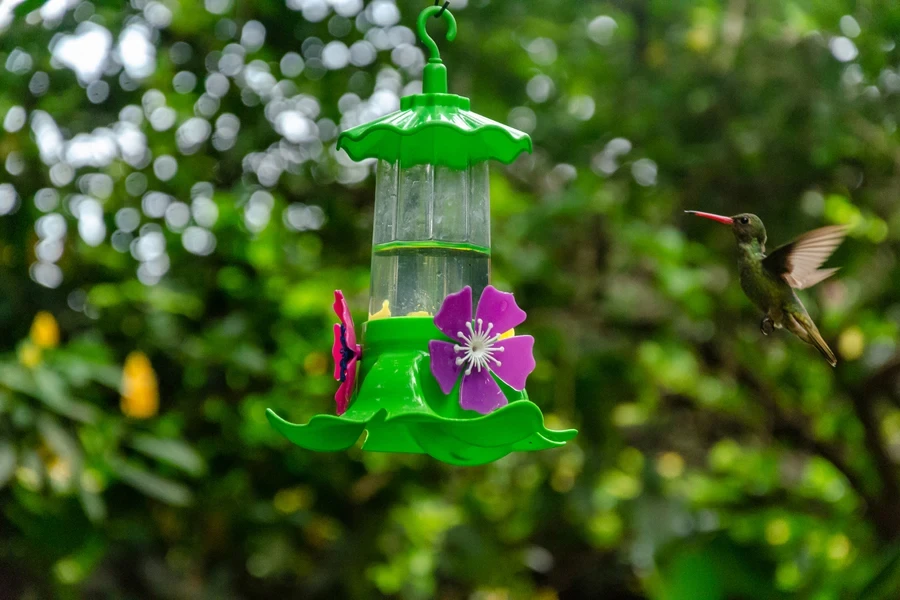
[767,326]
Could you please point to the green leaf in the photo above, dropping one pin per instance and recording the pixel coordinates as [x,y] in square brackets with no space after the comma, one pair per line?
[93,504]
[161,488]
[18,379]
[57,438]
[80,371]
[78,565]
[7,462]
[171,451]
[48,387]
[31,475]
[885,583]
[63,444]
[714,568]
[26,7]
[53,391]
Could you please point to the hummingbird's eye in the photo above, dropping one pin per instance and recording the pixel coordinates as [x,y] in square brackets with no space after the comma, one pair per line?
[744,220]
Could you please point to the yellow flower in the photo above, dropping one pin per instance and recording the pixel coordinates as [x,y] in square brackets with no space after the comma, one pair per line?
[140,394]
[44,331]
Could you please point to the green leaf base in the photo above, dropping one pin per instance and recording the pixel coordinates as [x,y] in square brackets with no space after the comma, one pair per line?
[402,409]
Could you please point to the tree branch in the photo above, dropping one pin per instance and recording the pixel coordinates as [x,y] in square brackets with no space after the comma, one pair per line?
[888,503]
[883,504]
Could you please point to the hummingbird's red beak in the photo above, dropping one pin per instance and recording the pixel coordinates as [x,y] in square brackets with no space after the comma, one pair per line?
[719,218]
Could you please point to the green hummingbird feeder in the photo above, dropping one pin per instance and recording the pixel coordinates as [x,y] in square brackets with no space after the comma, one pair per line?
[439,368]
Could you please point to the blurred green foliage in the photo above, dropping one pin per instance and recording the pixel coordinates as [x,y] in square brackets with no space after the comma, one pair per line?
[712,463]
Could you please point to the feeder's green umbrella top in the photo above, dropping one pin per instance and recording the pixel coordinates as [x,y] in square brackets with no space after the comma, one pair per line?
[434,127]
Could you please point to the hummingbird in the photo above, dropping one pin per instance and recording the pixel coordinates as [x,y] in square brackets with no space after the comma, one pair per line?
[769,280]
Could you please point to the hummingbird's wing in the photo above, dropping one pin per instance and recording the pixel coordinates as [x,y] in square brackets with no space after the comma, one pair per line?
[798,262]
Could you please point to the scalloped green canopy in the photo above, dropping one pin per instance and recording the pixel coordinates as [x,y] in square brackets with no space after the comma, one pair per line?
[434,127]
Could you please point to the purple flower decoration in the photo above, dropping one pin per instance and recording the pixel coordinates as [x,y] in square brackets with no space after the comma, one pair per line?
[479,349]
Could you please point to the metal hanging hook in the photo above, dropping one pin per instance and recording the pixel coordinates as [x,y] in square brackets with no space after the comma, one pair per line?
[437,11]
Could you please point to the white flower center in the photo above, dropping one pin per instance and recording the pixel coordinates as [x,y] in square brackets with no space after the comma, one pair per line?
[478,347]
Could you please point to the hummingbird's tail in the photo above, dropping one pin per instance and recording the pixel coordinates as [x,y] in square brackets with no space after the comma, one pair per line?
[803,327]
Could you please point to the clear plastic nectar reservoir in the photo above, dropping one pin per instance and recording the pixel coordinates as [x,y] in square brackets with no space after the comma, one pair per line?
[431,238]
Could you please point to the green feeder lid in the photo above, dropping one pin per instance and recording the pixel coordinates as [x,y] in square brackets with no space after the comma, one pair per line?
[434,127]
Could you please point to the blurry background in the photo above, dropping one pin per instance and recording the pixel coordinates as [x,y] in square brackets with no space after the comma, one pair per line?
[174,218]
